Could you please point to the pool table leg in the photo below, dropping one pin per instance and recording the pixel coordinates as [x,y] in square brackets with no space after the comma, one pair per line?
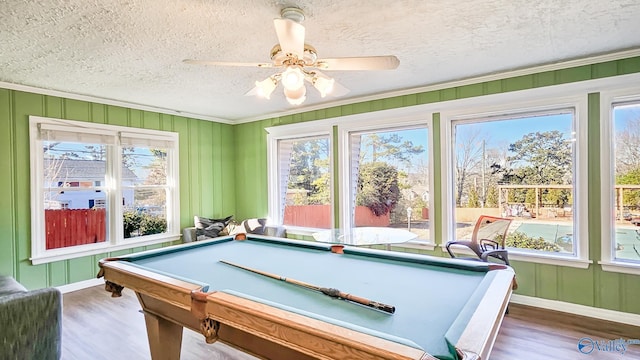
[165,337]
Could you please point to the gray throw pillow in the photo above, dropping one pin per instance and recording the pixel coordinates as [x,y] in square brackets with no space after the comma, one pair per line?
[254,226]
[210,228]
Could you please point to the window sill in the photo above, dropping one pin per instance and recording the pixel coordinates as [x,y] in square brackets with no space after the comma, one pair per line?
[620,267]
[94,249]
[534,258]
[551,260]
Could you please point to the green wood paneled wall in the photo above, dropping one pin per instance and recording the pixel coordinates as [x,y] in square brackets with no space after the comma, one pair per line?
[207,184]
[591,287]
[224,171]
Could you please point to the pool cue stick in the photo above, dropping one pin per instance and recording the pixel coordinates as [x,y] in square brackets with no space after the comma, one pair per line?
[334,293]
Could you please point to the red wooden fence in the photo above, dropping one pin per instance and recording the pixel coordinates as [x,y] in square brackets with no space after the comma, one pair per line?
[365,217]
[319,216]
[74,227]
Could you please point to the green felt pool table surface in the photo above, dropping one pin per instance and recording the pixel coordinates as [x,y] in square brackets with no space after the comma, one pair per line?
[434,297]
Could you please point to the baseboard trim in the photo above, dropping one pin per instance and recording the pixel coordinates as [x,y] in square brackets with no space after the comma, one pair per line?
[80,285]
[576,309]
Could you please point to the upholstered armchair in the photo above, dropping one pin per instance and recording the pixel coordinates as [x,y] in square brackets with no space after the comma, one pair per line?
[31,322]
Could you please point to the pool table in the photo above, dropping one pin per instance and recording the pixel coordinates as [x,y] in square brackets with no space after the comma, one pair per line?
[444,308]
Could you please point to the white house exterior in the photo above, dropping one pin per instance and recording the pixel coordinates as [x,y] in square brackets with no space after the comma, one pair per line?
[78,184]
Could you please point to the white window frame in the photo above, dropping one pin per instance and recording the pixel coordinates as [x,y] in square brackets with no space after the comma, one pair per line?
[385,120]
[607,180]
[292,132]
[515,104]
[115,240]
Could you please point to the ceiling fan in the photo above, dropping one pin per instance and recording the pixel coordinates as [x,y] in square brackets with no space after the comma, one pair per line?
[300,63]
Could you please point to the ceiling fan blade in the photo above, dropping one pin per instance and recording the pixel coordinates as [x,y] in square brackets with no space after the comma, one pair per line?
[338,90]
[252,92]
[226,63]
[388,62]
[290,36]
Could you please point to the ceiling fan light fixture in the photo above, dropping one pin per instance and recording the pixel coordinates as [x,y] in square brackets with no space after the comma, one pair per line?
[297,96]
[323,85]
[266,87]
[293,78]
[297,62]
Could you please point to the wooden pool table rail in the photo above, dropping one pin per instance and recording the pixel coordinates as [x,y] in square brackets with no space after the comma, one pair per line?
[482,329]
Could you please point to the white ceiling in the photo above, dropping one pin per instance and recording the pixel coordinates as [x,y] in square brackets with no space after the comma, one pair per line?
[132,50]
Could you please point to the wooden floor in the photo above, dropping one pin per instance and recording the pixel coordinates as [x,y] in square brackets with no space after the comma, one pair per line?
[96,326]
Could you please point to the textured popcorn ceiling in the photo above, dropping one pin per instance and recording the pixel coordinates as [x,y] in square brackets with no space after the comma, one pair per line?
[132,50]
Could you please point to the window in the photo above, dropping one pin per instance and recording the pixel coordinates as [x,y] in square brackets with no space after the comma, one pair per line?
[528,165]
[99,187]
[300,176]
[305,191]
[389,179]
[145,185]
[621,182]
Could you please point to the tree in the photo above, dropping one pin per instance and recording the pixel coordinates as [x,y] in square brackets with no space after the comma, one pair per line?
[529,196]
[380,179]
[390,147]
[558,197]
[540,158]
[309,170]
[627,161]
[157,169]
[52,175]
[627,145]
[321,185]
[378,187]
[97,152]
[474,200]
[468,157]
[129,158]
[492,197]
[631,196]
[52,150]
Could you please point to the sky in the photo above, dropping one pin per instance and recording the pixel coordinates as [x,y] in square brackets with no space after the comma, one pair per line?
[623,114]
[418,137]
[501,133]
[497,133]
